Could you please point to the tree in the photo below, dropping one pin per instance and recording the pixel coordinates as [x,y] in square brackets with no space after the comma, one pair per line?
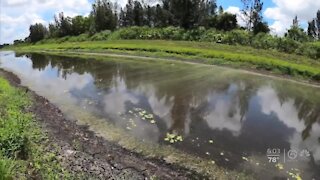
[80,25]
[37,32]
[53,30]
[226,22]
[149,16]
[104,17]
[122,18]
[296,32]
[317,22]
[138,14]
[211,7]
[252,12]
[63,25]
[221,10]
[188,13]
[312,29]
[17,41]
[295,22]
[127,16]
[261,27]
[163,16]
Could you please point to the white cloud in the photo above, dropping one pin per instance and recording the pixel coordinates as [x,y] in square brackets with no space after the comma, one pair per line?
[285,10]
[17,15]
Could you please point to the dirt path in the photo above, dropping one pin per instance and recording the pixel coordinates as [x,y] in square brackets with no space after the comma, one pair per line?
[82,152]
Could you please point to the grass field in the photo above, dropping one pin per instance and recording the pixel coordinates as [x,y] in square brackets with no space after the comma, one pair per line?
[203,52]
[22,143]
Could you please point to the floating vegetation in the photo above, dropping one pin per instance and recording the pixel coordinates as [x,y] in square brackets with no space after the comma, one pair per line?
[244,158]
[132,123]
[279,166]
[137,109]
[173,138]
[294,175]
[142,114]
[149,116]
[90,102]
[145,116]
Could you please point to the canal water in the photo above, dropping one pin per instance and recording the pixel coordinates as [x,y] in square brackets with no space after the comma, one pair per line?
[237,120]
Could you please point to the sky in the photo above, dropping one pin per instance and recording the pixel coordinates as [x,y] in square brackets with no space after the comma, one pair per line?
[17,15]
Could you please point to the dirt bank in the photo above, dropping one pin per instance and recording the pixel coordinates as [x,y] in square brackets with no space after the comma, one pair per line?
[80,151]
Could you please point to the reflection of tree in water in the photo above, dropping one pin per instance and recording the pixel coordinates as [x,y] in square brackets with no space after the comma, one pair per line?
[40,62]
[181,84]
[190,94]
[306,101]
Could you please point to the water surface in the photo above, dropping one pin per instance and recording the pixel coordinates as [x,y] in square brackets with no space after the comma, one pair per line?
[223,115]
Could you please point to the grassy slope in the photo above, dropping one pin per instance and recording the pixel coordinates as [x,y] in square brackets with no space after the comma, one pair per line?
[210,53]
[22,156]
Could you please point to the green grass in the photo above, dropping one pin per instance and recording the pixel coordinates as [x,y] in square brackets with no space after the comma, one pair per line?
[203,52]
[23,145]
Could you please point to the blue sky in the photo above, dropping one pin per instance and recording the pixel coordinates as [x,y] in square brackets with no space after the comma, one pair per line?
[17,15]
[237,3]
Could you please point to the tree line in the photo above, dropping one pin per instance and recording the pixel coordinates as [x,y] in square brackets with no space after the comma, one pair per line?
[186,14]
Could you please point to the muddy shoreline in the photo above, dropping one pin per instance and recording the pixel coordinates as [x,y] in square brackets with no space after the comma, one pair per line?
[81,151]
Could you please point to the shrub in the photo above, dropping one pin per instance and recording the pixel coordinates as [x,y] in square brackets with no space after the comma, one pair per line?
[309,49]
[101,36]
[211,35]
[6,168]
[234,37]
[80,38]
[129,33]
[194,34]
[237,37]
[172,33]
[287,45]
[264,41]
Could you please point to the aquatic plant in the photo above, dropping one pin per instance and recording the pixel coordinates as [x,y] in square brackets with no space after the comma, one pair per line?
[173,138]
